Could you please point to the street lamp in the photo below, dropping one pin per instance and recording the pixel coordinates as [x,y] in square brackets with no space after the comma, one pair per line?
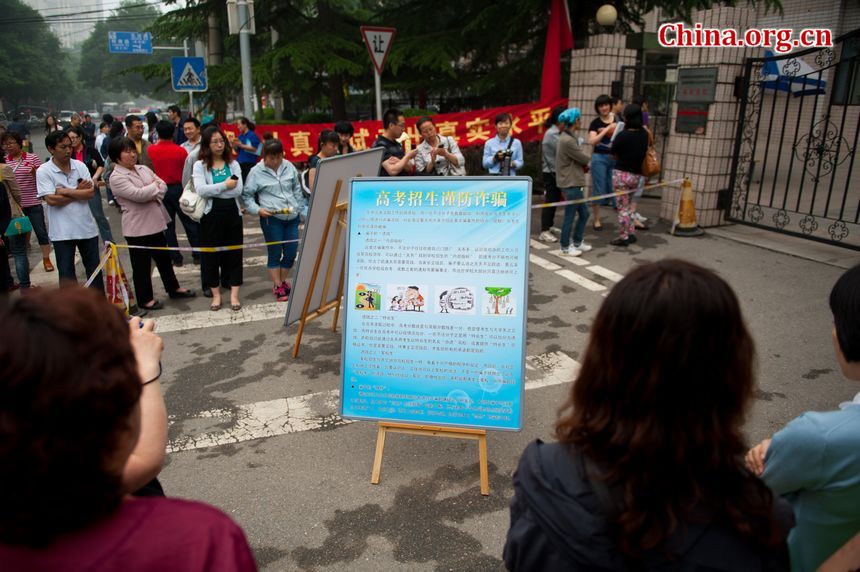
[607,15]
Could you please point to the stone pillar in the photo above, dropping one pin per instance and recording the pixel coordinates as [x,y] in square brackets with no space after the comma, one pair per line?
[592,71]
[706,159]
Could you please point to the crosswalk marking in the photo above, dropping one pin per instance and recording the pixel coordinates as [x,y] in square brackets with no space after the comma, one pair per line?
[581,280]
[537,245]
[317,410]
[572,259]
[223,317]
[606,273]
[546,264]
[194,269]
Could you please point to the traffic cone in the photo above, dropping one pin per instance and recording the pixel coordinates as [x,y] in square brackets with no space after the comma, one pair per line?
[685,219]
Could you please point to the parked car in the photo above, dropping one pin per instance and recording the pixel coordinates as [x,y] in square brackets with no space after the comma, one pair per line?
[64,118]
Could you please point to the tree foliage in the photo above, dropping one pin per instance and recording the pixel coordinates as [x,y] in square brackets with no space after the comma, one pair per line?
[460,54]
[123,72]
[33,63]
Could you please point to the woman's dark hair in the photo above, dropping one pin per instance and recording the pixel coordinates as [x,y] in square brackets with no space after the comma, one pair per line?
[205,153]
[247,123]
[327,136]
[175,109]
[344,128]
[117,129]
[77,131]
[602,99]
[632,116]
[14,135]
[845,305]
[659,403]
[62,418]
[552,119]
[640,99]
[272,148]
[151,119]
[108,118]
[119,144]
[502,117]
[421,121]
[50,116]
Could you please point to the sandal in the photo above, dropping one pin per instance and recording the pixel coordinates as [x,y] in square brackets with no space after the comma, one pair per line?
[236,307]
[49,267]
[597,227]
[215,307]
[156,305]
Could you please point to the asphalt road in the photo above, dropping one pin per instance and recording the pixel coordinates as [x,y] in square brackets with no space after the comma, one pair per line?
[256,433]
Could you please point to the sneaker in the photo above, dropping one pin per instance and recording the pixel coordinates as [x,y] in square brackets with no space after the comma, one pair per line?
[547,236]
[555,230]
[571,252]
[639,217]
[583,246]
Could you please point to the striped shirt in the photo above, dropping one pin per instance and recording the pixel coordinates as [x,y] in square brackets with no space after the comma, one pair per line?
[24,168]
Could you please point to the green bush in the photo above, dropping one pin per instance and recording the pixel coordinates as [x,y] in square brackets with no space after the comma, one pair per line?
[267,114]
[413,112]
[314,117]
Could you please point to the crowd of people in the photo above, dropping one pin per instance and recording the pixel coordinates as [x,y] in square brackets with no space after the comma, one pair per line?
[650,470]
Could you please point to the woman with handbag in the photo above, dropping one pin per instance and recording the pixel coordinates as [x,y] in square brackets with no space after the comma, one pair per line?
[139,193]
[218,179]
[437,154]
[24,166]
[13,226]
[629,149]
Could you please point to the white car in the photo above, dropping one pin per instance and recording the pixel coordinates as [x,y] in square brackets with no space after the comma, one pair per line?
[64,118]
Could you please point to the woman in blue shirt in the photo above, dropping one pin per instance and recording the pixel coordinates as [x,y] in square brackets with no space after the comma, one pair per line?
[217,178]
[247,146]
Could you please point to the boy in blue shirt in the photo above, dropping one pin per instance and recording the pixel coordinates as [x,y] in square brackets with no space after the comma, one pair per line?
[815,460]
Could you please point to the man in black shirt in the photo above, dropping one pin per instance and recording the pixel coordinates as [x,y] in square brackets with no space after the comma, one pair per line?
[395,161]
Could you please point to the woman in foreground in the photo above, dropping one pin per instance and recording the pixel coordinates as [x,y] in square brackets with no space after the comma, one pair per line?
[648,471]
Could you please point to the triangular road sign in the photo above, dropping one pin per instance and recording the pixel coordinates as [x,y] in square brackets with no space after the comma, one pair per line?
[189,77]
[378,42]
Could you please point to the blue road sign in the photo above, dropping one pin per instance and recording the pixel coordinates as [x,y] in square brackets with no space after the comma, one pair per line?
[188,74]
[130,42]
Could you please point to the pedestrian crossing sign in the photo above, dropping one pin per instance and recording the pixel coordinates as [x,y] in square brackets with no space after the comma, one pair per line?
[188,74]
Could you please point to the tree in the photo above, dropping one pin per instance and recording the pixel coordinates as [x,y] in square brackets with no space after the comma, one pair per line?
[497,293]
[34,65]
[120,72]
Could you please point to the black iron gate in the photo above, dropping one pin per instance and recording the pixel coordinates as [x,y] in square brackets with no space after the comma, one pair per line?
[796,144]
[657,84]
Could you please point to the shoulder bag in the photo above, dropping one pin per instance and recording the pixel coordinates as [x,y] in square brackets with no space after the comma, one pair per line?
[191,203]
[650,164]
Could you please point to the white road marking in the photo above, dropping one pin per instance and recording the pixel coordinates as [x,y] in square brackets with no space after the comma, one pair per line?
[537,245]
[581,280]
[572,259]
[318,410]
[543,263]
[223,317]
[606,273]
[194,269]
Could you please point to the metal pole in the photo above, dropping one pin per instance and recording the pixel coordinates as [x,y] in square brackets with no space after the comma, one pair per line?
[190,93]
[245,56]
[377,80]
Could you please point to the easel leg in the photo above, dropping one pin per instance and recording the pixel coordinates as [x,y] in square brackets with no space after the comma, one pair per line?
[377,459]
[298,337]
[482,461]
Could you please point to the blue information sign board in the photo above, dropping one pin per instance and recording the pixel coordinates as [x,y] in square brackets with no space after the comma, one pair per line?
[188,74]
[130,42]
[436,299]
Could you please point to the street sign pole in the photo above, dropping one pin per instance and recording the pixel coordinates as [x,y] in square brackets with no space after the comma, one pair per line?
[245,56]
[377,81]
[190,93]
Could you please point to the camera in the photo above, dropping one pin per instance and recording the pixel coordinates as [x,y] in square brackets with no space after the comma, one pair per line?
[504,157]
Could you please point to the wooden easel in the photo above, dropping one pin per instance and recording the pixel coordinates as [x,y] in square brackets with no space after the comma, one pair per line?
[338,210]
[479,435]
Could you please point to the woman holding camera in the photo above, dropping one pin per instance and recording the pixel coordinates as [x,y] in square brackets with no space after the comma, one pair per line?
[78,435]
[648,471]
[218,179]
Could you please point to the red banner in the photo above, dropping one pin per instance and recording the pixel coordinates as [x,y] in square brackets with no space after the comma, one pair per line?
[470,128]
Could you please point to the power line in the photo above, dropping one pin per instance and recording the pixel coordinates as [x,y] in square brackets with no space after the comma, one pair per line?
[72,15]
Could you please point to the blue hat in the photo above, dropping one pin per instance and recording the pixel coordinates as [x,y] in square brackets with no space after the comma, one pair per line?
[570,116]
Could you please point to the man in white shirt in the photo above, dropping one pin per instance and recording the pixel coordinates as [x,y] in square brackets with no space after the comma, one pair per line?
[65,186]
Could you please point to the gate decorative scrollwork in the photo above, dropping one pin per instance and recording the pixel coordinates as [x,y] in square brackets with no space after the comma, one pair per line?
[796,144]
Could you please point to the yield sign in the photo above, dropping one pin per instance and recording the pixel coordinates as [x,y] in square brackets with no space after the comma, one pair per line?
[378,42]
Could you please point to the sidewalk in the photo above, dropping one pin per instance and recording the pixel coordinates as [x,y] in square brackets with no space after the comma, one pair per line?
[786,244]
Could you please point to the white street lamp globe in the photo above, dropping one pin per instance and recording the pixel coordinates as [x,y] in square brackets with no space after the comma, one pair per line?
[606,15]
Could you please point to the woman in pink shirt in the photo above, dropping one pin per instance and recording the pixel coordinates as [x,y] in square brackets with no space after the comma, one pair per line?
[77,435]
[24,166]
[144,219]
